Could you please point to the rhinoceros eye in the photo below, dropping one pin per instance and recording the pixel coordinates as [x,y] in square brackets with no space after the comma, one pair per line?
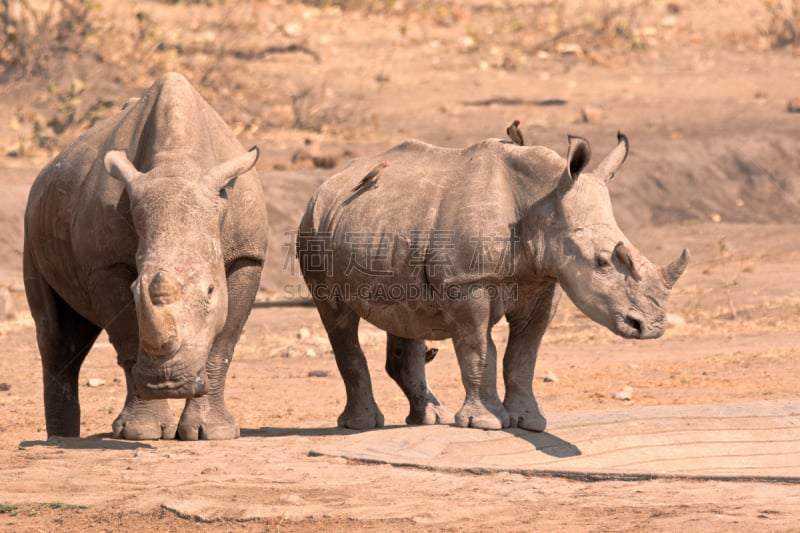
[601,262]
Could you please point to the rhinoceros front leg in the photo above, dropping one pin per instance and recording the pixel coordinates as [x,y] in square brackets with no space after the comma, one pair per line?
[207,417]
[527,325]
[341,323]
[405,364]
[477,358]
[142,419]
[64,338]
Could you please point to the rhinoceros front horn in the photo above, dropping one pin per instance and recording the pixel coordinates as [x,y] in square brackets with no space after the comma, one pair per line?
[674,270]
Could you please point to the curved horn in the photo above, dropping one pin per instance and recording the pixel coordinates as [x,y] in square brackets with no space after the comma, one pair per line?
[673,271]
[608,166]
[624,256]
[222,174]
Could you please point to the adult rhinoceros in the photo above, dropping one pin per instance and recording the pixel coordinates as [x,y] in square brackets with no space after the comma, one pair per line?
[449,241]
[152,226]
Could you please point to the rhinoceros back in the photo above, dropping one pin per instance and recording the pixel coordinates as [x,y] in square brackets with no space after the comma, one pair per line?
[431,198]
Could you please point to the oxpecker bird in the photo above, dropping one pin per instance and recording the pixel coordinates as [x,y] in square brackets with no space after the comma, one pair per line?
[372,176]
[514,134]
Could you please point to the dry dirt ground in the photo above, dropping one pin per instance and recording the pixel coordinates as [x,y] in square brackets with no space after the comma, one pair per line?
[698,88]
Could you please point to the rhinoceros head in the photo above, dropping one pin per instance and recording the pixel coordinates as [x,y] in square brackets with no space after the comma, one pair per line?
[600,270]
[180,293]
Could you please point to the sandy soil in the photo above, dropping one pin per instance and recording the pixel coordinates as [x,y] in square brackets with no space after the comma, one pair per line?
[700,93]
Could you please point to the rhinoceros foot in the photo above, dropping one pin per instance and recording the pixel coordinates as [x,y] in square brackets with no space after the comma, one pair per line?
[207,418]
[525,414]
[144,420]
[365,417]
[485,414]
[434,413]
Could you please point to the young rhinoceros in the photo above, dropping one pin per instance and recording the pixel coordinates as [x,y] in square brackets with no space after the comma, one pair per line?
[452,241]
[152,226]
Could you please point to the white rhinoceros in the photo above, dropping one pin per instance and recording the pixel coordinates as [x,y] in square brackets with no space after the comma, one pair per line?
[152,226]
[449,241]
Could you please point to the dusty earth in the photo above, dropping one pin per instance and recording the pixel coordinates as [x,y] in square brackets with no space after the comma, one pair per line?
[701,88]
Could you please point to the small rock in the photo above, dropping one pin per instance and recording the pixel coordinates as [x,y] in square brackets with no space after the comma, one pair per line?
[626,394]
[592,114]
[209,470]
[715,217]
[303,333]
[675,321]
[5,387]
[96,382]
[311,352]
[550,377]
[318,373]
[293,499]
[793,106]
[292,29]
[6,304]
[569,49]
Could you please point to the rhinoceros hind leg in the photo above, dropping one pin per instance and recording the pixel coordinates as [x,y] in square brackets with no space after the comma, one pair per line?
[341,323]
[64,338]
[526,328]
[405,364]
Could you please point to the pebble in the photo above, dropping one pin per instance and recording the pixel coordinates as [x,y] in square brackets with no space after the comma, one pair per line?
[6,304]
[303,333]
[626,394]
[550,377]
[793,106]
[96,382]
[592,114]
[318,373]
[675,321]
[5,387]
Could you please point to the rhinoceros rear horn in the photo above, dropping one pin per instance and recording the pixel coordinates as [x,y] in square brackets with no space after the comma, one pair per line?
[608,166]
[222,174]
[119,166]
[673,271]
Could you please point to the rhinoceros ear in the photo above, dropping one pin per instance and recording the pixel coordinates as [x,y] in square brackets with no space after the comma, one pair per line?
[222,174]
[120,167]
[578,156]
[608,166]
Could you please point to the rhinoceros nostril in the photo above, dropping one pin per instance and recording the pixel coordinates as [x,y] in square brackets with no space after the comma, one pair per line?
[634,323]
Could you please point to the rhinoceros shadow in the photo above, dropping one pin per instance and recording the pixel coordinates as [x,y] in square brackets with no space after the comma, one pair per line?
[547,443]
[101,441]
[300,432]
[544,442]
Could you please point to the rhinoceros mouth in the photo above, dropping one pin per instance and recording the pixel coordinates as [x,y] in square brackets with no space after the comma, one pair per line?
[153,388]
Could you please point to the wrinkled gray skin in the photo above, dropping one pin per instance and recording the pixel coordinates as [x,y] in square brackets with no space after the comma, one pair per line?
[503,225]
[152,226]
